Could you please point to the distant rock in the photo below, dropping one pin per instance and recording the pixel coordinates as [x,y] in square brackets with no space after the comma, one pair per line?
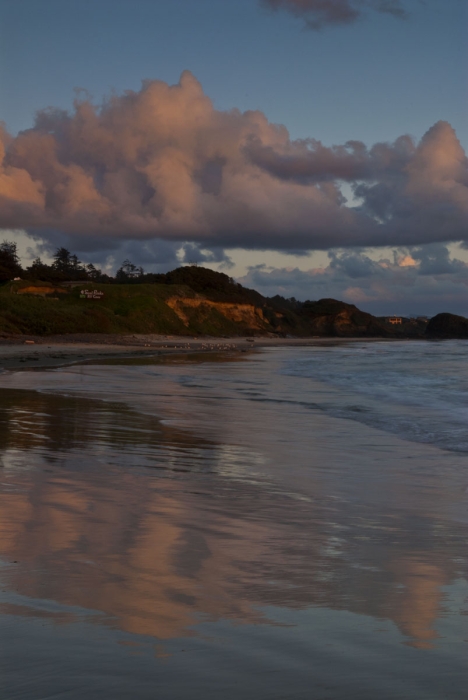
[447,326]
[330,317]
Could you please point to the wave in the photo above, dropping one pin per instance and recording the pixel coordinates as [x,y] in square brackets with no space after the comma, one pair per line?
[416,390]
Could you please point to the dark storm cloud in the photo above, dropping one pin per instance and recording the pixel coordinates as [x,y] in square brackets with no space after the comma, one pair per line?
[192,253]
[435,260]
[162,163]
[320,13]
[353,264]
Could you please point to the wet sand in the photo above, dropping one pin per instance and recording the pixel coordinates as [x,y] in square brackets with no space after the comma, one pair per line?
[191,532]
[42,352]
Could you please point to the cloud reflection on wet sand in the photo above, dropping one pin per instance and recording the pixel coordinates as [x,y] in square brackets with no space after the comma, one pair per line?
[158,555]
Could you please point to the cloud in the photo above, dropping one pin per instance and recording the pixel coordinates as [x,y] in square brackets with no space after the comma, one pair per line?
[435,260]
[190,253]
[351,264]
[307,161]
[422,281]
[162,163]
[320,13]
[153,255]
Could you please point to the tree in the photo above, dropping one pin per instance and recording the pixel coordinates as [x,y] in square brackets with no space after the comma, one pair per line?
[9,261]
[93,272]
[68,265]
[62,260]
[37,266]
[39,270]
[128,271]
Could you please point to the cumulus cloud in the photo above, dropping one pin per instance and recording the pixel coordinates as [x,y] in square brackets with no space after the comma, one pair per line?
[319,13]
[422,281]
[162,163]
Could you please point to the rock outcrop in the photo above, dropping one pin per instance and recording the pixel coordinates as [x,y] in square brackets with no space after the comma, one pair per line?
[42,291]
[447,326]
[329,317]
[247,316]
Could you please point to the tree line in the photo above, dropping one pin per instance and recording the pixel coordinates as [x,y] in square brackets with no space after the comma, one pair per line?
[65,267]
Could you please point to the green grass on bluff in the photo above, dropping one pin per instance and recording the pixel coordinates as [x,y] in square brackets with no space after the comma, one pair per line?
[122,309]
[47,308]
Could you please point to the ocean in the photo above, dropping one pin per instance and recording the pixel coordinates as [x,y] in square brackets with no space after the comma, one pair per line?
[287,523]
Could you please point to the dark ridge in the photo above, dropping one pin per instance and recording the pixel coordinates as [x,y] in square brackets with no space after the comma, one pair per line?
[328,307]
[216,286]
[447,326]
[46,300]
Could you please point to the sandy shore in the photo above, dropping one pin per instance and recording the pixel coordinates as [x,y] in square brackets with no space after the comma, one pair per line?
[57,351]
[205,531]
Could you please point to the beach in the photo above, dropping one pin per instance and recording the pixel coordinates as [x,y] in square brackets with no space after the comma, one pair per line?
[195,521]
[36,351]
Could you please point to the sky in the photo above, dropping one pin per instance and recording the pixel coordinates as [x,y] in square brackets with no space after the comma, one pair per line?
[312,148]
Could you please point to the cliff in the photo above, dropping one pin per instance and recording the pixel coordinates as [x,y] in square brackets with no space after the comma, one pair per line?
[193,301]
[329,317]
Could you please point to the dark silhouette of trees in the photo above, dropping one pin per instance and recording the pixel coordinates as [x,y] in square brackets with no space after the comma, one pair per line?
[68,265]
[215,285]
[39,270]
[94,273]
[128,272]
[10,266]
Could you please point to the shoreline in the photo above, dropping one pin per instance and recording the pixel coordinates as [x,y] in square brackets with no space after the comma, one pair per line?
[40,352]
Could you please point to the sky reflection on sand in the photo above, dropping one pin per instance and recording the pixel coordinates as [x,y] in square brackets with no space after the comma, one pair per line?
[140,522]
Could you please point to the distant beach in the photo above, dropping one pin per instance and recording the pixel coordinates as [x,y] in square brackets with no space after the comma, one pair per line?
[34,351]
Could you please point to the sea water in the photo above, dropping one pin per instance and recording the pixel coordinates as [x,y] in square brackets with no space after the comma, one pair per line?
[291,523]
[416,390]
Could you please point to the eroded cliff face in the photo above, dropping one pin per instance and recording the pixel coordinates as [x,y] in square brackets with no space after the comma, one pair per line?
[341,322]
[247,316]
[41,291]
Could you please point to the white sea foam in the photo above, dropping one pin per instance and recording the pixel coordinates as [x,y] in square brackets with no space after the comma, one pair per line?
[417,390]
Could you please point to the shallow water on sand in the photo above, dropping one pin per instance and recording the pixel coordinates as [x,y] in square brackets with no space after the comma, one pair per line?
[232,529]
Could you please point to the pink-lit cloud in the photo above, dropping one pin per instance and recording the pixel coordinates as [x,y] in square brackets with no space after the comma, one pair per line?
[319,13]
[163,163]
